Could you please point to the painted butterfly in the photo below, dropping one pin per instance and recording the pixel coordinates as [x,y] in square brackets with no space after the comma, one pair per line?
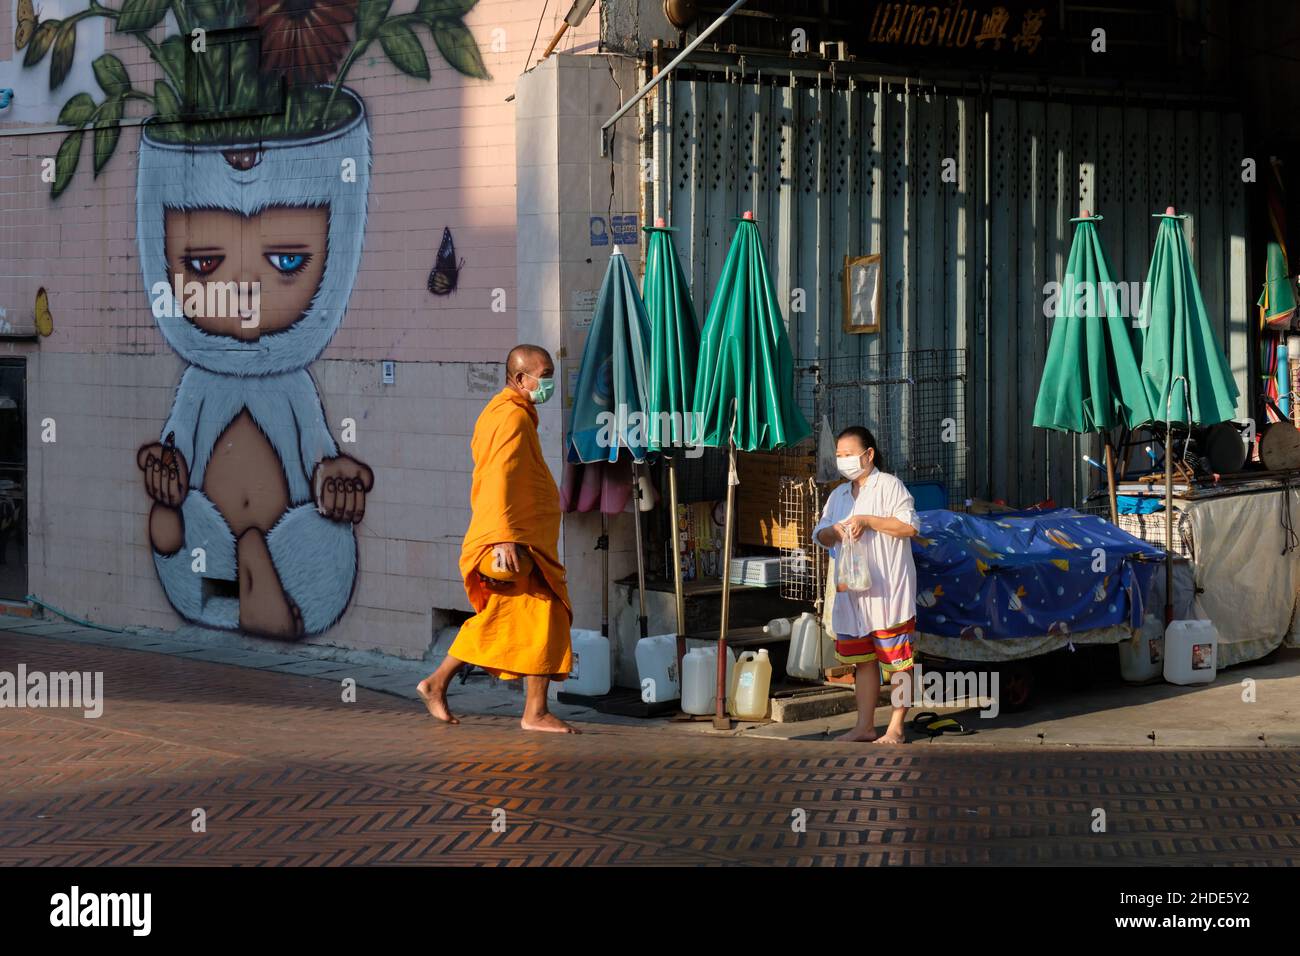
[446,270]
[27,21]
[44,318]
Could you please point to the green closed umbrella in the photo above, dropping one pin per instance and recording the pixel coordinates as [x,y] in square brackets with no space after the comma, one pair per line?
[670,387]
[609,400]
[1278,300]
[1091,381]
[1184,371]
[1178,343]
[744,390]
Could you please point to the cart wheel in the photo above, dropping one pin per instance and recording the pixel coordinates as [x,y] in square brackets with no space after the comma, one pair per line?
[1017,688]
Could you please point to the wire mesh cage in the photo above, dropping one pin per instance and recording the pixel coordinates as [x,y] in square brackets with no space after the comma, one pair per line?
[803,563]
[914,402]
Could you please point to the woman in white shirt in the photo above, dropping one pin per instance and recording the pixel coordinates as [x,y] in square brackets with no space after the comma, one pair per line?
[873,628]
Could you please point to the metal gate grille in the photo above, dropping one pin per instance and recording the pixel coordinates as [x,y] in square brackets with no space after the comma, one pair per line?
[968,199]
[914,403]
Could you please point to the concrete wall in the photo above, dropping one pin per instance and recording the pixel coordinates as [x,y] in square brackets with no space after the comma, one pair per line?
[443,155]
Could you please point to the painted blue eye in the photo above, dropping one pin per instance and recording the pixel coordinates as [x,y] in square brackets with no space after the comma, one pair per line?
[288,262]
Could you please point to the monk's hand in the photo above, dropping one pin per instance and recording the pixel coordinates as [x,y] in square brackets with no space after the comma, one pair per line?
[339,486]
[507,556]
[166,476]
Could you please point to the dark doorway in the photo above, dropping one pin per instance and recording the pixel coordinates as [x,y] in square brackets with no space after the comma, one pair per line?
[13,479]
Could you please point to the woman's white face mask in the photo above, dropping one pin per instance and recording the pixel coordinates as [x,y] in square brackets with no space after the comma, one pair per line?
[851,466]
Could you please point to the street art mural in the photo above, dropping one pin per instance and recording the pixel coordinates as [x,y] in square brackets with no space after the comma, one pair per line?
[250,224]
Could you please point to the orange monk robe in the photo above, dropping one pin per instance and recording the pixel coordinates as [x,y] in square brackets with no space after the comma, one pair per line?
[514,498]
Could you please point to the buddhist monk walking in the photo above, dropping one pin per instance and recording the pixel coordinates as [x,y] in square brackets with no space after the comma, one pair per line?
[509,558]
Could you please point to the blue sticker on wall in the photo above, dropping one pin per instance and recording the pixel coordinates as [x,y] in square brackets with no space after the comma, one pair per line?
[624,229]
[599,234]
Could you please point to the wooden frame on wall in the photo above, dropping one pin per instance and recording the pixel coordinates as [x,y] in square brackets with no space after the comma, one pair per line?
[864,279]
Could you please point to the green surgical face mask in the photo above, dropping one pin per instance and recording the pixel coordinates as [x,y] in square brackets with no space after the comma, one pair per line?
[545,389]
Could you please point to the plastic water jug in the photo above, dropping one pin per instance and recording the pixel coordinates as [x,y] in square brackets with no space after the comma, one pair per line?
[1191,652]
[807,659]
[589,675]
[656,668]
[751,683]
[1144,662]
[700,679]
[777,627]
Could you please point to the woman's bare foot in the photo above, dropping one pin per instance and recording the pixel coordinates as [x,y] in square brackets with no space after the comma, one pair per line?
[435,699]
[859,735]
[891,737]
[548,723]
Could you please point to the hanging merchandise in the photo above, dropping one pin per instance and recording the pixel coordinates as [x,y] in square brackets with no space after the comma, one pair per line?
[826,468]
[1283,382]
[1277,303]
[852,571]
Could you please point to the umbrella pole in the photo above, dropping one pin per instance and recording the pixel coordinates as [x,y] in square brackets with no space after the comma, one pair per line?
[604,574]
[720,719]
[640,554]
[1110,482]
[1169,524]
[677,566]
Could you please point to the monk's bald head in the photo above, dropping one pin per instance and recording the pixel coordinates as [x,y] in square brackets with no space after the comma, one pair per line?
[526,364]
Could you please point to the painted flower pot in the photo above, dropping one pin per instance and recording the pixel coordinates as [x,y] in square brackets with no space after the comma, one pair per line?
[249,252]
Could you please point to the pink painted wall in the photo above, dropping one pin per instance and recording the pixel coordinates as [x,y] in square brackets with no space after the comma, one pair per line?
[443,155]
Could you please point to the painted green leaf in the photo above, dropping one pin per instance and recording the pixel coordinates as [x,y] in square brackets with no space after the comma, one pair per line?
[166,104]
[430,10]
[107,131]
[206,13]
[40,42]
[370,14]
[111,75]
[403,48]
[77,111]
[65,162]
[457,46]
[137,16]
[65,45]
[171,53]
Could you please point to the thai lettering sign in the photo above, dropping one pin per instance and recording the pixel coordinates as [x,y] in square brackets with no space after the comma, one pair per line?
[1012,29]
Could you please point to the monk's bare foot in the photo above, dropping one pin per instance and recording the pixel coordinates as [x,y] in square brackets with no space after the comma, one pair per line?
[891,737]
[858,735]
[548,723]
[435,699]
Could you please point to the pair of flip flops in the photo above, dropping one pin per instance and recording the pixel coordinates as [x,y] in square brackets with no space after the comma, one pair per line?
[933,725]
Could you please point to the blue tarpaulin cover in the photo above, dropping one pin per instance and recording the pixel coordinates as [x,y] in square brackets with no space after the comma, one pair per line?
[1025,574]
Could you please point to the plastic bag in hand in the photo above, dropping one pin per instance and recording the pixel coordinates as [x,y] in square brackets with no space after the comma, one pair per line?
[852,572]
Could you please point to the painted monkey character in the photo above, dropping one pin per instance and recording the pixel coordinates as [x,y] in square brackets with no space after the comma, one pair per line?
[248,470]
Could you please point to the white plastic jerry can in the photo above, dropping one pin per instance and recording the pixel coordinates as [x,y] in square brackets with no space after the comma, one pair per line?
[1144,661]
[589,675]
[1191,652]
[807,658]
[656,668]
[700,679]
[751,684]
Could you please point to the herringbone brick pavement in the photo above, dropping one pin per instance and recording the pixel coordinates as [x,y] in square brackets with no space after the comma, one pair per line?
[288,774]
